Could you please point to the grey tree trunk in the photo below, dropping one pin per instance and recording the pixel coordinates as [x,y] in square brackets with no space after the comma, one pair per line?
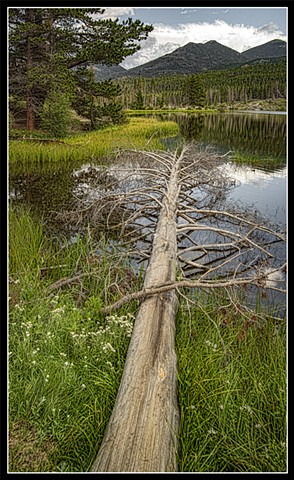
[143,429]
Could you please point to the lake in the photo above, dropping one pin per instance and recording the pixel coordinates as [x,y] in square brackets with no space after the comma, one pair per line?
[260,186]
[258,135]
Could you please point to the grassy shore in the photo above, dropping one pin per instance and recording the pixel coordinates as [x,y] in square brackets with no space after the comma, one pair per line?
[66,359]
[272,104]
[265,162]
[137,133]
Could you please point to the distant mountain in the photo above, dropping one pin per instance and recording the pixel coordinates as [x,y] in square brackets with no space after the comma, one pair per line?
[104,72]
[189,59]
[272,49]
[195,58]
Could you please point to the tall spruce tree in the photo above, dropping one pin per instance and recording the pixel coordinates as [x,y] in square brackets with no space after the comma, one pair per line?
[195,91]
[45,44]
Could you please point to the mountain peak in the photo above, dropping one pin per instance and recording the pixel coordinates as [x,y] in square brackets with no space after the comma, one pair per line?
[194,58]
[272,49]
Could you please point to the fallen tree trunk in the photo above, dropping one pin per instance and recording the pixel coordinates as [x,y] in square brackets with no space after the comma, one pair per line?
[142,432]
[172,202]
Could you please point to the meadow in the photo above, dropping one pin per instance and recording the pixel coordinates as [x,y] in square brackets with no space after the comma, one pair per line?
[66,358]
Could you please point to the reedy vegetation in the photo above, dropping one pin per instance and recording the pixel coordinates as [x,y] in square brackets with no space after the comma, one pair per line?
[137,133]
[66,359]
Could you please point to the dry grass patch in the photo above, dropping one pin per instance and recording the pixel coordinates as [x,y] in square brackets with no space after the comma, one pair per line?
[27,452]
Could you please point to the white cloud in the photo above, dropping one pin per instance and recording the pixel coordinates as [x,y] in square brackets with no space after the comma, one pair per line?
[114,12]
[166,38]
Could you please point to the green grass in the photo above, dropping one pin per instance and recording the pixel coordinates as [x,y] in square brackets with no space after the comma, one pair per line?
[265,162]
[66,359]
[65,356]
[137,133]
[233,405]
[158,111]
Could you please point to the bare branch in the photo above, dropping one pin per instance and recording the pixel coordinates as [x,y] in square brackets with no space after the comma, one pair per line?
[206,284]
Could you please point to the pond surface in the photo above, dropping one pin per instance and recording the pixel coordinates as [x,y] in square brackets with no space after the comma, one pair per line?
[258,135]
[49,189]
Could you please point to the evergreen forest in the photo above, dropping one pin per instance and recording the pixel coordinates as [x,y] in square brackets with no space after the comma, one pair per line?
[259,81]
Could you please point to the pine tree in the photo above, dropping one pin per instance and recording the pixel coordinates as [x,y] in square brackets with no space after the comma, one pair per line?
[45,44]
[95,100]
[195,92]
[139,101]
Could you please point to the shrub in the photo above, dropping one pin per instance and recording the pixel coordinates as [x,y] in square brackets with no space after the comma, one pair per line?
[56,115]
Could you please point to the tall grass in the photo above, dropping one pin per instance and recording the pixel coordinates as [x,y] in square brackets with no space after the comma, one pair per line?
[233,405]
[138,133]
[25,241]
[66,359]
[65,356]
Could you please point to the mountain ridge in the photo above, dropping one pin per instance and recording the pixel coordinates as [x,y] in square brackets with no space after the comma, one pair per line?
[194,58]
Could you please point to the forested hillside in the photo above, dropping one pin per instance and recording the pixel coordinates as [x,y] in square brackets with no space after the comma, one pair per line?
[260,81]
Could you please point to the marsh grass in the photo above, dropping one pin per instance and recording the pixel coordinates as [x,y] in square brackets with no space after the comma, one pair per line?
[233,405]
[137,133]
[266,162]
[66,359]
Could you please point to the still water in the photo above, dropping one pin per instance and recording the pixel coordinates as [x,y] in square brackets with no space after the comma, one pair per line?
[262,185]
[261,136]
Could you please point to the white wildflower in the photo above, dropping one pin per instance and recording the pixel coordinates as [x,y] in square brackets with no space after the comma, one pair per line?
[108,346]
[58,310]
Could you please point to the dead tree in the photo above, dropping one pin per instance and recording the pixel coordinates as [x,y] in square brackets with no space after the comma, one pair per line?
[169,211]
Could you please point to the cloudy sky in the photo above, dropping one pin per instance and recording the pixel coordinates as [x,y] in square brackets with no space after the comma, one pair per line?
[237,28]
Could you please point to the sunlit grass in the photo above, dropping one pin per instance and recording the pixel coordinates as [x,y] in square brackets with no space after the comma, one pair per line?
[137,133]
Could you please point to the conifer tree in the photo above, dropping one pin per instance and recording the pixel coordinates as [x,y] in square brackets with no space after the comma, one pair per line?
[45,44]
[195,91]
[86,102]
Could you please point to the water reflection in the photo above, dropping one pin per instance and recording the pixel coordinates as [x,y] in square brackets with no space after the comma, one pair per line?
[257,134]
[263,190]
[53,187]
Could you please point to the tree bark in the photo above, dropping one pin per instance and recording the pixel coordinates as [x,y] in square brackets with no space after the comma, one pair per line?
[142,432]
